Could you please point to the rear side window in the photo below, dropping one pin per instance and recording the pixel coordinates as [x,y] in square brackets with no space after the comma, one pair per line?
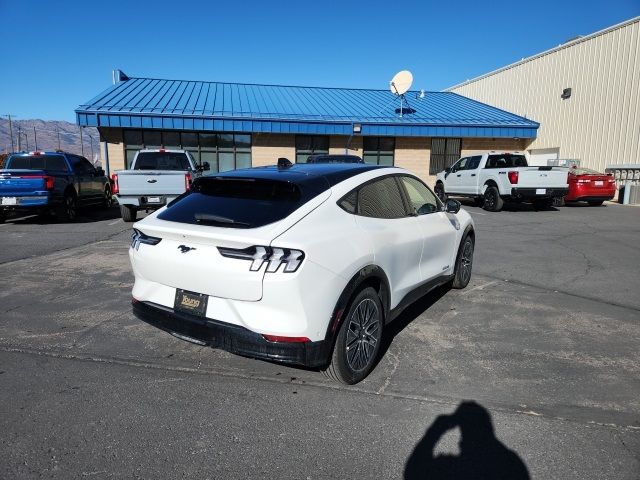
[237,202]
[162,161]
[381,199]
[38,162]
[506,160]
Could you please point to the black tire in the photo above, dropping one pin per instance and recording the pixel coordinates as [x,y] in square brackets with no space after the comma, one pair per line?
[439,191]
[128,214]
[558,202]
[492,200]
[543,203]
[595,203]
[464,263]
[3,216]
[358,341]
[107,201]
[68,211]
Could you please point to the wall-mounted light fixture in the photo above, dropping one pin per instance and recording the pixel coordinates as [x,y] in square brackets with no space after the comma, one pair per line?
[566,93]
[357,128]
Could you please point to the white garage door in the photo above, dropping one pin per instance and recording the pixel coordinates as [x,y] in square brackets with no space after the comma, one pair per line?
[542,156]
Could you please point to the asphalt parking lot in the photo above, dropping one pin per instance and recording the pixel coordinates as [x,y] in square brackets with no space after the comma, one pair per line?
[544,340]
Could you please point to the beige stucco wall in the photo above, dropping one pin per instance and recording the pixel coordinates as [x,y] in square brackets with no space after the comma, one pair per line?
[266,148]
[600,123]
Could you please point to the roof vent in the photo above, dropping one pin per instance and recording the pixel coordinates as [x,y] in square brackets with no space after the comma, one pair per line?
[119,76]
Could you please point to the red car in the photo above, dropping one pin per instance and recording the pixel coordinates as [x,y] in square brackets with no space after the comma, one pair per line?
[589,186]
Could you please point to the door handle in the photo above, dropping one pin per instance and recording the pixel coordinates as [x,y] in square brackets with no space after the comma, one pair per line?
[473,174]
[458,175]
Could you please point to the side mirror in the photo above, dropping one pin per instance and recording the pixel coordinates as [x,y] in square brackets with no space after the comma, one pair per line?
[447,170]
[100,172]
[452,206]
[206,166]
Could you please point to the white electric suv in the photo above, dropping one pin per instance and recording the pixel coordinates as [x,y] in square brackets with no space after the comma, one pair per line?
[302,264]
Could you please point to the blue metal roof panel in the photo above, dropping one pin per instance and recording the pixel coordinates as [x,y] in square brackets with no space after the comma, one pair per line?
[293,104]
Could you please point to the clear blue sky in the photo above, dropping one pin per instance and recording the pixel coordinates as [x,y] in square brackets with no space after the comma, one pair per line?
[58,54]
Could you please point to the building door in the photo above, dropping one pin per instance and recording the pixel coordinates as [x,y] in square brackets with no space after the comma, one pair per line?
[540,157]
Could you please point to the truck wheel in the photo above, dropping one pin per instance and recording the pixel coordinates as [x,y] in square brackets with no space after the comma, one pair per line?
[68,211]
[439,191]
[107,201]
[3,216]
[358,341]
[492,200]
[128,214]
[595,203]
[543,203]
[464,263]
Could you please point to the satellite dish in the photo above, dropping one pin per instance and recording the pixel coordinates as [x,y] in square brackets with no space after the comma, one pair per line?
[401,82]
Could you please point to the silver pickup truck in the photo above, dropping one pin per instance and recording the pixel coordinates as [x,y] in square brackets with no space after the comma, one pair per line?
[156,177]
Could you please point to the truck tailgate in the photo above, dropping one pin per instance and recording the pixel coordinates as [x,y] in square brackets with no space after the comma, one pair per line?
[143,182]
[21,182]
[542,177]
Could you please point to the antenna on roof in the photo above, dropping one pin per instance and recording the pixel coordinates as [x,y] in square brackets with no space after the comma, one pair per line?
[399,85]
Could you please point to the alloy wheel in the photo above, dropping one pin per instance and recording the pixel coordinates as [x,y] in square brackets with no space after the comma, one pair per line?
[363,335]
[466,261]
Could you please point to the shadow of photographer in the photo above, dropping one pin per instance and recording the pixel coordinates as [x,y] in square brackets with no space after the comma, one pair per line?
[482,455]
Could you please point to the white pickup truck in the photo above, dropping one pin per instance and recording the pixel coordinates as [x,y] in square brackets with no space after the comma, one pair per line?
[493,178]
[156,177]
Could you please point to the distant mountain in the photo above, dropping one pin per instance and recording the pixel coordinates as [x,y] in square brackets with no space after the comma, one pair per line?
[46,136]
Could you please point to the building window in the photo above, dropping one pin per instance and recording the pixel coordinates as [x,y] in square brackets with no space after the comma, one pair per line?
[444,153]
[223,151]
[378,150]
[310,145]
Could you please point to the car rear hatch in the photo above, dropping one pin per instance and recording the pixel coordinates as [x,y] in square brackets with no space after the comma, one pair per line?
[210,236]
[595,183]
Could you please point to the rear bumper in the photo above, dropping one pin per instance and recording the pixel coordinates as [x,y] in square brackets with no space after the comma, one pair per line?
[26,202]
[531,193]
[594,198]
[142,201]
[232,338]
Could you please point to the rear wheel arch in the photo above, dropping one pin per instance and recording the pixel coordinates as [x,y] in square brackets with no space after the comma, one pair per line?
[369,276]
[489,183]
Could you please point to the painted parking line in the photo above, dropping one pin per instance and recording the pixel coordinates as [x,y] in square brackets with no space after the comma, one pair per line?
[113,223]
[477,213]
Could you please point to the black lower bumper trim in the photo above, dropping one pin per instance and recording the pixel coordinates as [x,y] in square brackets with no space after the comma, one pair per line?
[232,338]
[530,193]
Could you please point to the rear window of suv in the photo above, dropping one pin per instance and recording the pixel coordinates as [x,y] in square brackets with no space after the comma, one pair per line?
[162,161]
[236,202]
[37,162]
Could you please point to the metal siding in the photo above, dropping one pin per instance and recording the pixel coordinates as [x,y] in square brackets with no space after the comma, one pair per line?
[600,123]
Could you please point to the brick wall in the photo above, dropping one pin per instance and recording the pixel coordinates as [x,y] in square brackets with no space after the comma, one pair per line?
[413,153]
[266,148]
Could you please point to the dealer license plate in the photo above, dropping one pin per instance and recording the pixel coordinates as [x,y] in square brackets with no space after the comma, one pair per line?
[541,191]
[190,302]
[9,201]
[154,199]
[599,183]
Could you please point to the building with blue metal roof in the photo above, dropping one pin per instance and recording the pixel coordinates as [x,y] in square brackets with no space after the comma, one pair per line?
[233,125]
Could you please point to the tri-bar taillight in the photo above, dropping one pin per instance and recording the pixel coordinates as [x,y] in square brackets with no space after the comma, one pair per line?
[272,256]
[138,238]
[513,177]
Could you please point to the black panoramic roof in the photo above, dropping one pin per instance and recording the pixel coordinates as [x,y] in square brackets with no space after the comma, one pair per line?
[318,176]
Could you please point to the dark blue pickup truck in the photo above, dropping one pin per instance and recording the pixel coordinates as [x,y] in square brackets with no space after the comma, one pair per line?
[51,183]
